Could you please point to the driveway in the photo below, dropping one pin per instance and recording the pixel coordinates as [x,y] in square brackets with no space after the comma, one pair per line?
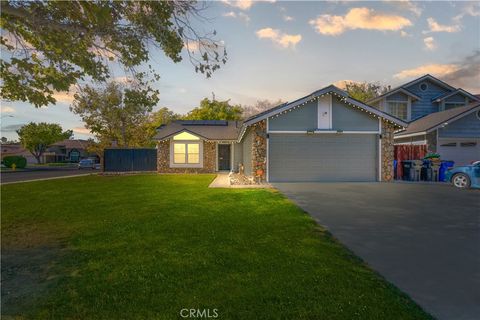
[42,173]
[425,239]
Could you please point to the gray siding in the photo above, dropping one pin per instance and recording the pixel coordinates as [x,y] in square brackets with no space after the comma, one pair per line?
[237,155]
[468,127]
[303,118]
[399,96]
[247,142]
[348,118]
[323,157]
[425,105]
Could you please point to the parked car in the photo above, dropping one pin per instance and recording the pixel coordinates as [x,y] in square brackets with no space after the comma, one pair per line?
[465,176]
[88,163]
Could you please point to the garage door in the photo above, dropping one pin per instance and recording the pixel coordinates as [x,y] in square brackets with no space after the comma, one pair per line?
[323,157]
[461,151]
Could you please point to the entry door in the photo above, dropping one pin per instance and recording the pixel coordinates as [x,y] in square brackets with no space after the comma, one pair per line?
[224,157]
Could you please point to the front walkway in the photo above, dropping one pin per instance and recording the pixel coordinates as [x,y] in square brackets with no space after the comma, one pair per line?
[424,238]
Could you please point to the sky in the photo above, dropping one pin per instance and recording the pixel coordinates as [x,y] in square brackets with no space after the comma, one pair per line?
[287,49]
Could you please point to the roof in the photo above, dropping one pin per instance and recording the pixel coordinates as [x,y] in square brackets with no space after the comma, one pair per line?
[400,89]
[446,95]
[327,90]
[72,143]
[206,129]
[435,120]
[422,78]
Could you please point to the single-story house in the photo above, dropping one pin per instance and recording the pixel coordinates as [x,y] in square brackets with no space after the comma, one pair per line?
[453,133]
[324,136]
[16,149]
[70,150]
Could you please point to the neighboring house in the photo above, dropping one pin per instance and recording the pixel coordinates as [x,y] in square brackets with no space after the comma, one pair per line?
[16,149]
[325,136]
[442,117]
[69,150]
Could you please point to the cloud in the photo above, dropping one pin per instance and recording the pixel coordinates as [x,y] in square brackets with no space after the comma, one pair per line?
[408,5]
[283,39]
[461,74]
[358,18]
[11,127]
[434,26]
[404,34]
[342,84]
[439,70]
[288,18]
[240,15]
[244,4]
[7,109]
[81,130]
[471,8]
[64,97]
[430,43]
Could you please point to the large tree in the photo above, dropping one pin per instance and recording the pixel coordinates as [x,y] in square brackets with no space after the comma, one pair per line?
[56,44]
[364,91]
[260,106]
[215,110]
[116,112]
[36,137]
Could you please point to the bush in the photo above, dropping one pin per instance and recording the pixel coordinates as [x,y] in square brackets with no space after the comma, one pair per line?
[20,162]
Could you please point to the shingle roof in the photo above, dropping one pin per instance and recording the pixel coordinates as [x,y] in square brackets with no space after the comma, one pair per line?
[433,120]
[72,143]
[207,129]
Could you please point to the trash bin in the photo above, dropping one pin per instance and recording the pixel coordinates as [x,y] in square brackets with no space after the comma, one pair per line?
[395,163]
[426,173]
[443,169]
[408,171]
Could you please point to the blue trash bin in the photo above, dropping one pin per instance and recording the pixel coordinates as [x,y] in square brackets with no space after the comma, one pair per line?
[443,169]
[395,163]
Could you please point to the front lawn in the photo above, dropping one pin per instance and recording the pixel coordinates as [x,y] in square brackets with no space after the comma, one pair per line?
[145,247]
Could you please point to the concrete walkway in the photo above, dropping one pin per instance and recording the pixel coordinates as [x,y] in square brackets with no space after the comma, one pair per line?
[222,181]
[425,239]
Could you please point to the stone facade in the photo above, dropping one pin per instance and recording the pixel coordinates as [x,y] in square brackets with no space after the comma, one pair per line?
[163,159]
[387,150]
[259,150]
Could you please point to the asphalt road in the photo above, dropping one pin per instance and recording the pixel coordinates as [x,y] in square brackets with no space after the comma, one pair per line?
[425,239]
[42,173]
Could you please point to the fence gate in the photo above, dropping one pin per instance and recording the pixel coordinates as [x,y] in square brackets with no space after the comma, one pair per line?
[122,160]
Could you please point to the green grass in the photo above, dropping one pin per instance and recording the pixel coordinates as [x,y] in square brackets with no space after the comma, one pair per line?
[144,247]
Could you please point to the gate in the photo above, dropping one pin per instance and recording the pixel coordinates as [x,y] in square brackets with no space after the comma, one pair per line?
[124,160]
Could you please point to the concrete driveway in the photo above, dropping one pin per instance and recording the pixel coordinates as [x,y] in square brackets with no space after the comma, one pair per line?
[425,239]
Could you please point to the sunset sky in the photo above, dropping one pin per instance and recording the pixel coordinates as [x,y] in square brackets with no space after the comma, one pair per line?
[283,50]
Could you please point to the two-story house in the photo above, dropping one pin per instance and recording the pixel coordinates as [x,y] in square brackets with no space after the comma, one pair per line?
[444,118]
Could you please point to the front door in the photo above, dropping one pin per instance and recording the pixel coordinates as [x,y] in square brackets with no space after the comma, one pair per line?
[224,157]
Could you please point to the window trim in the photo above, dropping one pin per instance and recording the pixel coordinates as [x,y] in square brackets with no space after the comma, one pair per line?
[186,165]
[397,101]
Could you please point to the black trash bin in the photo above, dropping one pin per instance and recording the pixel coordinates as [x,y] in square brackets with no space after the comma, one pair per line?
[408,171]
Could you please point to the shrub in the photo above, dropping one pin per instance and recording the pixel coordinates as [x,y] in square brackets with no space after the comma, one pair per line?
[20,162]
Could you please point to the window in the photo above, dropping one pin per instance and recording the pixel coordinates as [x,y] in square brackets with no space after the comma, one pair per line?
[397,109]
[449,144]
[423,86]
[186,151]
[451,105]
[468,144]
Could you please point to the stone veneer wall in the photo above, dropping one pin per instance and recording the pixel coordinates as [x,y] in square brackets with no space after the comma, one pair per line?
[387,150]
[259,150]
[163,159]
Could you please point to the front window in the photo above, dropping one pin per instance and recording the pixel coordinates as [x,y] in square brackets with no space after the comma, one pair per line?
[397,109]
[186,150]
[451,105]
[186,153]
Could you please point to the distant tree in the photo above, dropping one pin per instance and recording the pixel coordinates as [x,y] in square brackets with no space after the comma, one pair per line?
[56,44]
[36,137]
[4,140]
[156,119]
[215,110]
[260,106]
[365,91]
[116,113]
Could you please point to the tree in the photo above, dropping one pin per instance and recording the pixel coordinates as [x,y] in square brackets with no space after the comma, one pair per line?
[260,106]
[116,112]
[158,118]
[36,137]
[365,91]
[56,44]
[215,110]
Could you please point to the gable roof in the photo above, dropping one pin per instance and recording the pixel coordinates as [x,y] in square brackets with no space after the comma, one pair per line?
[435,120]
[206,129]
[393,91]
[331,89]
[446,95]
[405,85]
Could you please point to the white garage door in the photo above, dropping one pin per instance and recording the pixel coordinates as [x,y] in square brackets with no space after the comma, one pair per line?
[462,151]
[323,157]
